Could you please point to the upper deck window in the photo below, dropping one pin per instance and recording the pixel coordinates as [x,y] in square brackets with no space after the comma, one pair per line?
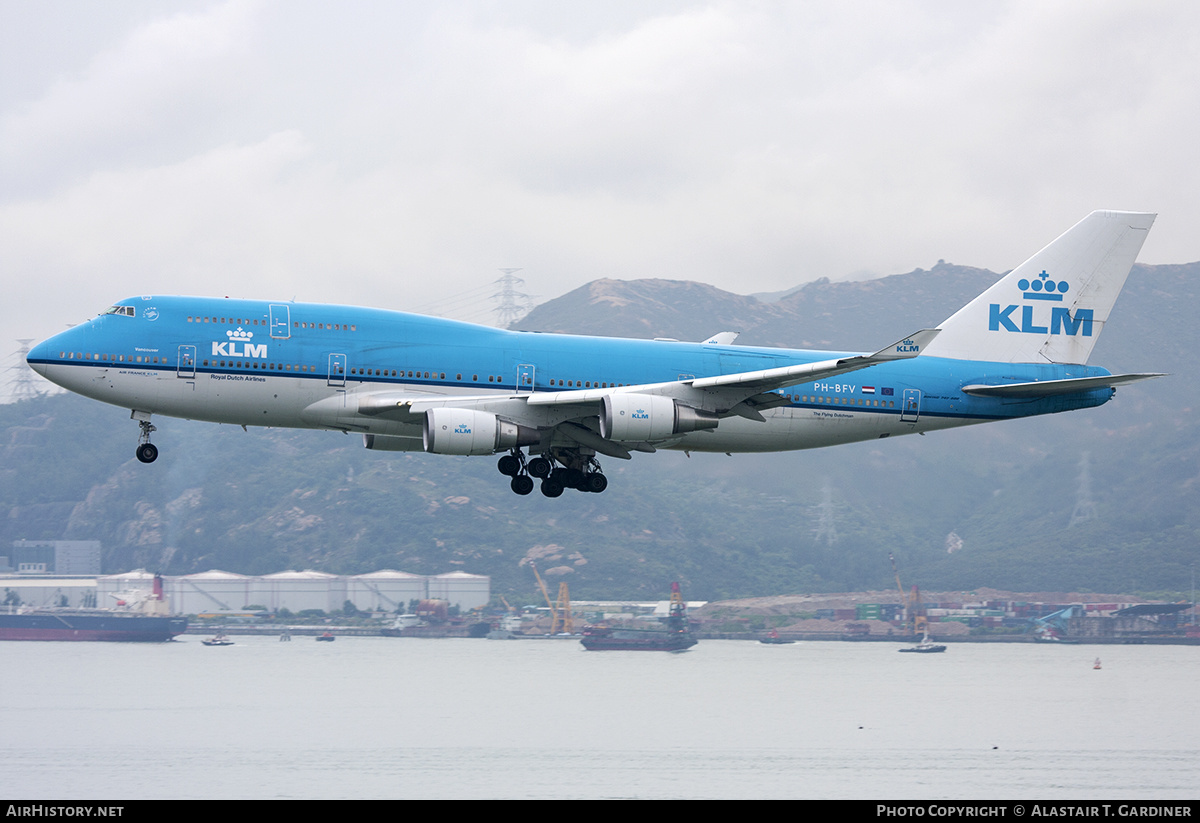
[125,310]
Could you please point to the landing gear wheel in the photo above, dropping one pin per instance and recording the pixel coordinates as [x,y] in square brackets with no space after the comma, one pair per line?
[522,484]
[540,467]
[552,486]
[595,482]
[147,452]
[509,465]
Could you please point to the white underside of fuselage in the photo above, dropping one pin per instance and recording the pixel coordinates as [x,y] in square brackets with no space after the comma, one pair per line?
[291,402]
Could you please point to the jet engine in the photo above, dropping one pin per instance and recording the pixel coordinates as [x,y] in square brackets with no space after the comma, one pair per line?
[650,417]
[467,431]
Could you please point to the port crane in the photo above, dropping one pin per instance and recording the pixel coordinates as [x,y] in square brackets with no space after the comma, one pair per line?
[561,621]
[914,611]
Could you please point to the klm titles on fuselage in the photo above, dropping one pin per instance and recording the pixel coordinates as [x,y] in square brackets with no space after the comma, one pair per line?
[1042,289]
[250,350]
[230,348]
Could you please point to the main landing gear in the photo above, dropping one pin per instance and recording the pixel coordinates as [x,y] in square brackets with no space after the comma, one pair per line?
[577,471]
[147,452]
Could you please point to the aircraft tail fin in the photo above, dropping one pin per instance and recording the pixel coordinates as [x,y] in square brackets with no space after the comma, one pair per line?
[1052,307]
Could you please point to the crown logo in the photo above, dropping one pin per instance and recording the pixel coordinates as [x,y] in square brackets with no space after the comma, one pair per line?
[1044,288]
[241,334]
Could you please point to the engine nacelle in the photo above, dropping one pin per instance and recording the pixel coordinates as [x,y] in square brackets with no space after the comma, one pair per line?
[468,431]
[650,417]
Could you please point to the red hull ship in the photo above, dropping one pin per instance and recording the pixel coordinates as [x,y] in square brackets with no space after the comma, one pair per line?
[89,624]
[143,618]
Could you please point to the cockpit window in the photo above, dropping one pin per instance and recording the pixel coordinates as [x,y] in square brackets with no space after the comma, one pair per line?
[125,310]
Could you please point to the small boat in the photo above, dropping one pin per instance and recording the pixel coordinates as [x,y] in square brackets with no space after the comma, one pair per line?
[1096,665]
[926,646]
[218,640]
[773,639]
[327,637]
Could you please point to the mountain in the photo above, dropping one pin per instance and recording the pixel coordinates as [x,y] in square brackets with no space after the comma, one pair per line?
[818,315]
[1101,500]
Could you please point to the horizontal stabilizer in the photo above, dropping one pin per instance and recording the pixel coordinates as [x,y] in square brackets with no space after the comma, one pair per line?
[1050,388]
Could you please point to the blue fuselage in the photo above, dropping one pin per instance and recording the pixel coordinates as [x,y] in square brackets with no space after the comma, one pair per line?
[251,362]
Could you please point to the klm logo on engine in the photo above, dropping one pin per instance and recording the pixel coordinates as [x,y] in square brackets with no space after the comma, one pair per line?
[1031,321]
[641,414]
[462,428]
[231,349]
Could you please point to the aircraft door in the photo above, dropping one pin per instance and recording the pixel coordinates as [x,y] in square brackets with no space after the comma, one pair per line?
[337,370]
[281,326]
[186,362]
[525,375]
[912,406]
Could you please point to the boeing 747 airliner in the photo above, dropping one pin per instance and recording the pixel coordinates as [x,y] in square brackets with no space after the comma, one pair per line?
[553,403]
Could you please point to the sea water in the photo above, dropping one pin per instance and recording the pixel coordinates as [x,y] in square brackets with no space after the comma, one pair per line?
[406,718]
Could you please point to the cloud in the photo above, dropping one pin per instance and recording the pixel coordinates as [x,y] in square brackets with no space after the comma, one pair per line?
[398,154]
[136,101]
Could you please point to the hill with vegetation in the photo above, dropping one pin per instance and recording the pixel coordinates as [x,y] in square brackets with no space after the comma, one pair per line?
[1099,500]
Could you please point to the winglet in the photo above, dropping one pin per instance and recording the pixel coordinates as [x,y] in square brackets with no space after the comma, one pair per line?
[911,346]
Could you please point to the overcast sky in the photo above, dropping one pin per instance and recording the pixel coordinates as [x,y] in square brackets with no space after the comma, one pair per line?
[398,153]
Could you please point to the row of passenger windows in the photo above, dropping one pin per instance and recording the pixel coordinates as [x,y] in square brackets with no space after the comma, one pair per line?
[239,321]
[475,378]
[841,401]
[417,374]
[250,364]
[359,372]
[587,384]
[112,358]
[252,321]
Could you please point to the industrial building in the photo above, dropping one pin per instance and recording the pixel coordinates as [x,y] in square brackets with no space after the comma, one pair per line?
[66,557]
[221,591]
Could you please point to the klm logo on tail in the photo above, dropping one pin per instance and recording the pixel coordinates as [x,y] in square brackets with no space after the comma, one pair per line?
[1045,290]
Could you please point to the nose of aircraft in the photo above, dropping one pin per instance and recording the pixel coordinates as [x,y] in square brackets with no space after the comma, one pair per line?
[38,356]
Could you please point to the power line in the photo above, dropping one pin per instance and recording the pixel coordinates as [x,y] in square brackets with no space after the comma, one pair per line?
[514,304]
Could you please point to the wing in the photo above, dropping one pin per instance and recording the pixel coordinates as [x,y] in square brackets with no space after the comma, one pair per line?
[613,421]
[745,392]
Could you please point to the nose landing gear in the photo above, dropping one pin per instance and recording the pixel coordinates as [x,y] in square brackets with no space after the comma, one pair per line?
[146,452]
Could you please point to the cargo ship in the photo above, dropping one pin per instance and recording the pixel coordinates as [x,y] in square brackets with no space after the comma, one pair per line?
[674,635]
[138,617]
